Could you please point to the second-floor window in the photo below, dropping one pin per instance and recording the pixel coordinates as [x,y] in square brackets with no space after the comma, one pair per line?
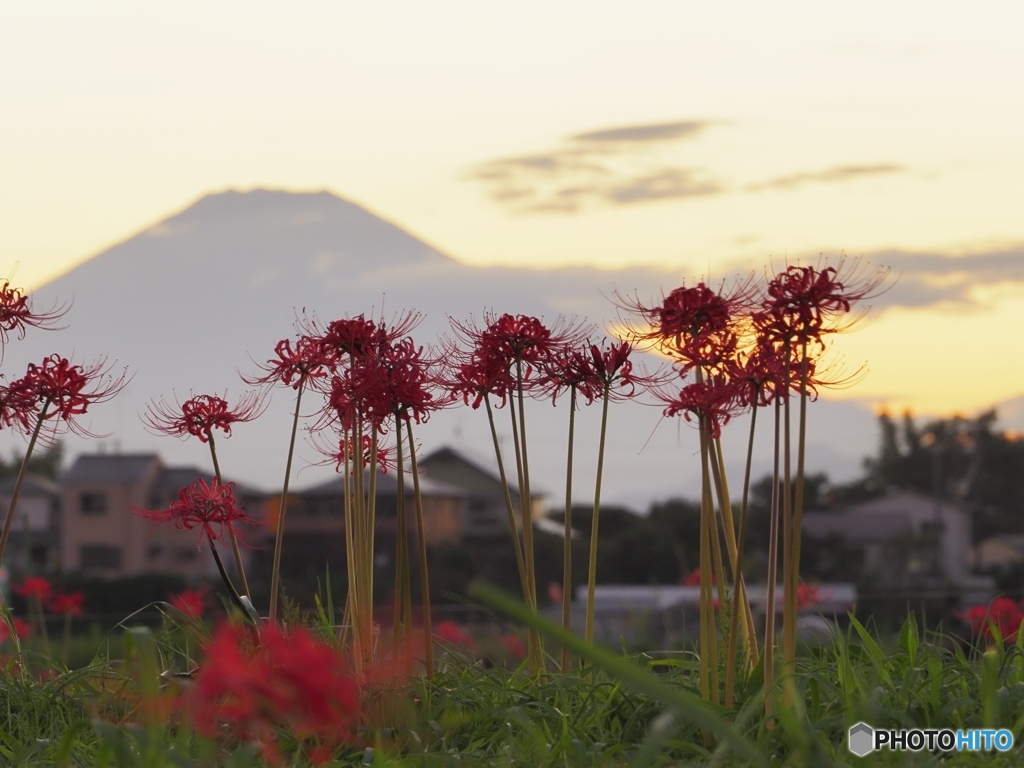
[92,503]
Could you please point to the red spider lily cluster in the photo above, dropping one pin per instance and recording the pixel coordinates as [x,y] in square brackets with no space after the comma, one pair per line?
[455,636]
[1002,614]
[259,687]
[40,590]
[208,506]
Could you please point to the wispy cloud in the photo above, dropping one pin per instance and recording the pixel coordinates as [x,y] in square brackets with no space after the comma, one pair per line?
[630,165]
[610,166]
[839,173]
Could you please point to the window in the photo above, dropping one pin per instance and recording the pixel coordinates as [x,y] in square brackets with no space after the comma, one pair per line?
[92,503]
[99,557]
[187,554]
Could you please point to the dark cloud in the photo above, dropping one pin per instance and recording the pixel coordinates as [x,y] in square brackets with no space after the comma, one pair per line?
[682,129]
[664,185]
[833,175]
[625,166]
[606,167]
[929,279]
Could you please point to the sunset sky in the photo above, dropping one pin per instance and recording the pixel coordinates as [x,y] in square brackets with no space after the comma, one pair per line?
[710,138]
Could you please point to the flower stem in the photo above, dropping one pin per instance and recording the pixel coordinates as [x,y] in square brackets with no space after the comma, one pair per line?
[275,575]
[567,535]
[428,631]
[517,545]
[231,531]
[773,554]
[592,567]
[9,520]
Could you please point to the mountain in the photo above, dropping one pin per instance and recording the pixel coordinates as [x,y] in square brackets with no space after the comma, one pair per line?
[189,303]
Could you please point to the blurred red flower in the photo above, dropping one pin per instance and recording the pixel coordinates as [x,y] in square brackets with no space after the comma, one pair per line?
[66,604]
[191,602]
[451,633]
[21,628]
[34,588]
[1003,613]
[257,686]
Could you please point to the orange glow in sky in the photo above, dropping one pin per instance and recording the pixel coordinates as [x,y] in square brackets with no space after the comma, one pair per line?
[691,136]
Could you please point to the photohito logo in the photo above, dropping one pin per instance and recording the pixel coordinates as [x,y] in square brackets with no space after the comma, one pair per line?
[862,739]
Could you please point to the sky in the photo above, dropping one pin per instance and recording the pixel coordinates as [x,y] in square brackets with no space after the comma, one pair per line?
[709,138]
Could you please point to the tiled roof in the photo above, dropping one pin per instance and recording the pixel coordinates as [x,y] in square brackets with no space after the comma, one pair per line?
[115,468]
[34,485]
[386,485]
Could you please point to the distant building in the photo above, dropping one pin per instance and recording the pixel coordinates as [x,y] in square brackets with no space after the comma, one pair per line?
[101,535]
[906,539]
[486,506]
[35,532]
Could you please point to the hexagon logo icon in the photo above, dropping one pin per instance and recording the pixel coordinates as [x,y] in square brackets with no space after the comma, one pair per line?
[861,739]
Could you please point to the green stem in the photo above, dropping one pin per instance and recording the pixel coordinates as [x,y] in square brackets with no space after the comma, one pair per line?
[512,524]
[275,575]
[231,532]
[592,567]
[773,554]
[567,534]
[403,605]
[428,629]
[9,520]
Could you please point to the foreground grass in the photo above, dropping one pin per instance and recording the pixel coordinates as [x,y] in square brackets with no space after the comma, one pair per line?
[617,711]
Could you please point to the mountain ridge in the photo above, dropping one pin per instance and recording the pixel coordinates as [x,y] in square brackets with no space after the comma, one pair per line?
[207,292]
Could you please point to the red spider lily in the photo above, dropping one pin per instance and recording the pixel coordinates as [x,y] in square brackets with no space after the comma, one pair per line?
[358,336]
[804,303]
[595,371]
[296,363]
[200,415]
[18,406]
[1003,613]
[21,628]
[65,389]
[34,588]
[16,315]
[394,381]
[761,371]
[451,633]
[688,317]
[473,379]
[346,454]
[716,399]
[257,688]
[191,602]
[66,604]
[209,506]
[509,341]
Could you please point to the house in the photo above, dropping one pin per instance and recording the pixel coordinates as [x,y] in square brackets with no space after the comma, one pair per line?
[35,533]
[906,539]
[101,535]
[486,506]
[315,521]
